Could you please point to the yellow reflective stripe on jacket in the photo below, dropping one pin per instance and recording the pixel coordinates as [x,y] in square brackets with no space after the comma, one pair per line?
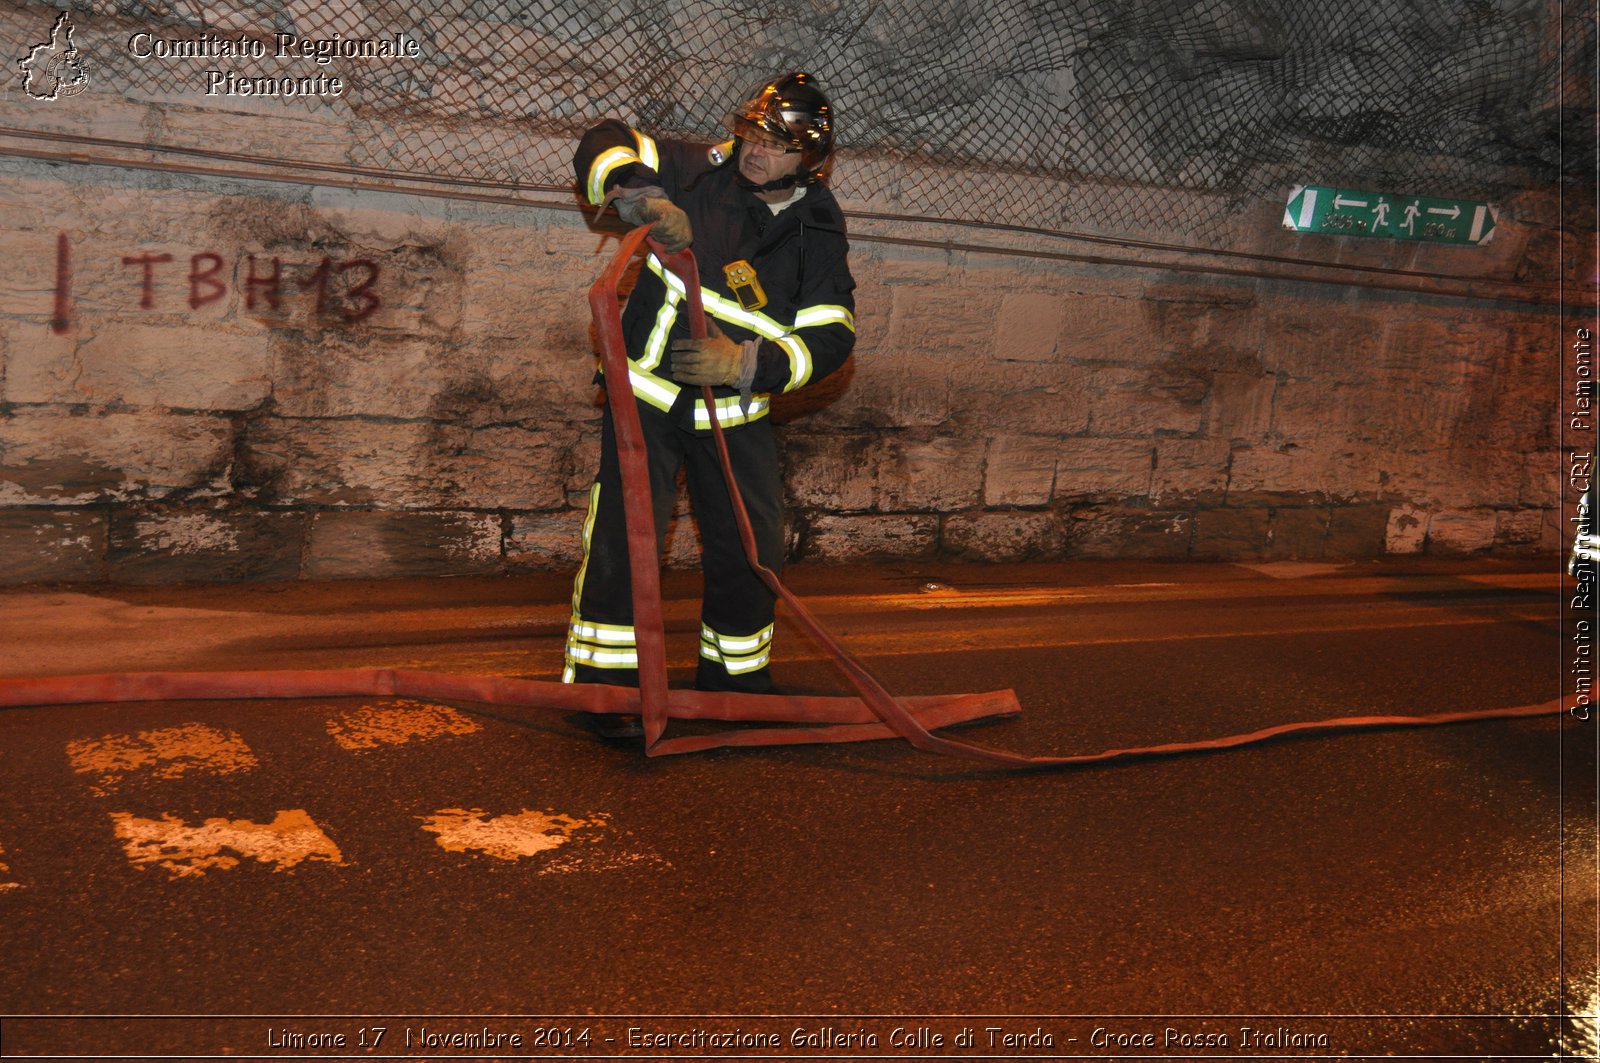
[730,412]
[825,314]
[649,154]
[663,393]
[799,360]
[760,324]
[652,389]
[604,163]
[655,345]
[717,306]
[728,310]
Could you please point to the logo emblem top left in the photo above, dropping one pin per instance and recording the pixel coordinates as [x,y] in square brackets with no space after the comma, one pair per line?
[55,69]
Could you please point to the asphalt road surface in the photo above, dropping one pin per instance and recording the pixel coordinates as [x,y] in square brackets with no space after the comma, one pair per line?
[397,878]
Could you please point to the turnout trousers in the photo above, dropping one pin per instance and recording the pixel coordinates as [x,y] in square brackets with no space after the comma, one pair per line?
[736,609]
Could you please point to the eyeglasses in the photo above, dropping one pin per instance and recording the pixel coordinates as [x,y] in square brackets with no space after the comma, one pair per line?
[757,137]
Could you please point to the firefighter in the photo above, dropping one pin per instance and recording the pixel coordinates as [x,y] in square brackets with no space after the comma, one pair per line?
[769,241]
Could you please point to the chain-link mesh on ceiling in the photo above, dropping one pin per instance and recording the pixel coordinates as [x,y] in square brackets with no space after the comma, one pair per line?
[951,109]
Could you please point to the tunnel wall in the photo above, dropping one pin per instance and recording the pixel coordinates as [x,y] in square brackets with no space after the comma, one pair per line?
[247,359]
[437,414]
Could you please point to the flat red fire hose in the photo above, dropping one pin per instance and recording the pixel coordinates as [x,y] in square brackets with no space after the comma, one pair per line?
[874,714]
[892,713]
[643,563]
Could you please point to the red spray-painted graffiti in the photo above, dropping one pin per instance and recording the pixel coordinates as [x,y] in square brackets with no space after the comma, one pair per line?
[343,292]
[63,315]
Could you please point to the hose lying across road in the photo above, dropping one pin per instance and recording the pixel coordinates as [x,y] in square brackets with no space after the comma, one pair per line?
[835,719]
[874,714]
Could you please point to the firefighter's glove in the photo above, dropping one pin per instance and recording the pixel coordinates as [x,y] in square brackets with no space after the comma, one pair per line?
[715,360]
[669,225]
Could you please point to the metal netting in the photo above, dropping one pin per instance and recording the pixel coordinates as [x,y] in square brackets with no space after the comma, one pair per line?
[1063,115]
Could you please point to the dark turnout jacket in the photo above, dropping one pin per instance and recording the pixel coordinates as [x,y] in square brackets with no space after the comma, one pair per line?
[807,326]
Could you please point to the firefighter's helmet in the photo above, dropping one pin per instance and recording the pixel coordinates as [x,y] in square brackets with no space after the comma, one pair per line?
[792,111]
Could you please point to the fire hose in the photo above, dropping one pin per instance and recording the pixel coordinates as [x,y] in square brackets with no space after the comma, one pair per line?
[873,714]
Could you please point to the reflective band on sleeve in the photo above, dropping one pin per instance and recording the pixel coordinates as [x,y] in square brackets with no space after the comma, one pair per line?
[649,154]
[825,314]
[607,161]
[799,361]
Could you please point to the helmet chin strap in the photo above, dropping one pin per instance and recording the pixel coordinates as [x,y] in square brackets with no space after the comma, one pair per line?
[787,181]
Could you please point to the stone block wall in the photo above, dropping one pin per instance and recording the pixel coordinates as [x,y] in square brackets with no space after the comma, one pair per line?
[234,380]
[265,382]
[255,338]
[1067,412]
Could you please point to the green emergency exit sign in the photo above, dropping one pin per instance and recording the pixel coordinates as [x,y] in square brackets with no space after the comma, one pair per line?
[1319,209]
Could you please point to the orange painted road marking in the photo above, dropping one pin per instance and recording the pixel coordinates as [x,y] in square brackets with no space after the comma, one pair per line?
[165,754]
[509,837]
[187,851]
[397,722]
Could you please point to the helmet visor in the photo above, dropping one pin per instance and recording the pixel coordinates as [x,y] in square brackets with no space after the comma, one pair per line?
[751,131]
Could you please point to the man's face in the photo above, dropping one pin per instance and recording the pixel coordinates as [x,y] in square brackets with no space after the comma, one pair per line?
[764,158]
